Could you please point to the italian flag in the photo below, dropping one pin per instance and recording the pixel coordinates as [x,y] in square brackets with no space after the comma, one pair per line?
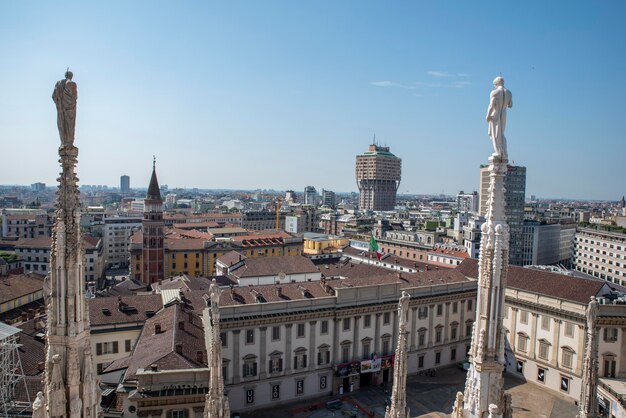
[374,247]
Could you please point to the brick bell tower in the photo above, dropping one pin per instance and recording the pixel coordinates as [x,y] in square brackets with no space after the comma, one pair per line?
[153,254]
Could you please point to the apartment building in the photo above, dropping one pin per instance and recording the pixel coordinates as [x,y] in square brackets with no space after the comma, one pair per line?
[601,254]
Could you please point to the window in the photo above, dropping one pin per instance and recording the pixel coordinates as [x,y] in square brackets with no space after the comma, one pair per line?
[275,333]
[541,375]
[300,358]
[249,336]
[422,312]
[178,413]
[564,384]
[346,324]
[367,321]
[610,335]
[453,354]
[127,345]
[566,357]
[469,325]
[107,348]
[386,344]
[420,362]
[300,331]
[438,333]
[276,362]
[455,307]
[323,354]
[523,316]
[224,339]
[545,322]
[421,337]
[249,366]
[386,318]
[324,327]
[520,366]
[366,343]
[544,348]
[522,342]
[569,329]
[453,331]
[440,309]
[438,357]
[345,352]
[469,304]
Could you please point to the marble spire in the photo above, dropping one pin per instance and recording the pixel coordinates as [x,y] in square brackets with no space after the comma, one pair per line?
[397,407]
[216,405]
[484,387]
[589,394]
[70,386]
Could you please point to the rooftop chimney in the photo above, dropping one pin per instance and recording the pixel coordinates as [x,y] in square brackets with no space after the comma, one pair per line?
[279,291]
[179,348]
[157,329]
[181,325]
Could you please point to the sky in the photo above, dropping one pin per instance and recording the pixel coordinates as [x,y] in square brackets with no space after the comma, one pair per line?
[285,94]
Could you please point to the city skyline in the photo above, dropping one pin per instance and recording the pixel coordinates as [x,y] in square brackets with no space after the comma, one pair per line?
[256,91]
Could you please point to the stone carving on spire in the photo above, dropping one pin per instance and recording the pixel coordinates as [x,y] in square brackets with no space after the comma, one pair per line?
[484,387]
[397,407]
[589,394]
[68,339]
[216,404]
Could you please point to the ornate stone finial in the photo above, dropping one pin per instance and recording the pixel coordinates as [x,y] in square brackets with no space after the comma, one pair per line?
[457,410]
[493,411]
[500,99]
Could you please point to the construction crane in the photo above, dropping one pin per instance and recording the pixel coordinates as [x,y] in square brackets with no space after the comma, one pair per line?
[278,213]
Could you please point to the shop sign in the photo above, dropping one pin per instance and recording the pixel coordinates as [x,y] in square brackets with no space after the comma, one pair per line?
[348,369]
[386,362]
[371,366]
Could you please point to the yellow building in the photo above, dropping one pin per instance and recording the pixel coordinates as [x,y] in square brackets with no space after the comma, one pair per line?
[196,256]
[315,244]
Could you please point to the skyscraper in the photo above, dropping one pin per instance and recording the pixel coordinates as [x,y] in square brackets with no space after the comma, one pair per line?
[515,196]
[378,174]
[328,198]
[125,184]
[310,195]
[153,254]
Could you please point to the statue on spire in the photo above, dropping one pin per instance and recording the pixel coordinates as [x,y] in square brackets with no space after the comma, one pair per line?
[499,99]
[65,95]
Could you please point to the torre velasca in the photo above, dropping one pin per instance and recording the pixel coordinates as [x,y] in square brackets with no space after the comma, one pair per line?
[378,174]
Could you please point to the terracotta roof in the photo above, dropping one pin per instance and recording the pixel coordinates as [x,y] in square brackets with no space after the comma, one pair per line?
[123,309]
[39,242]
[90,242]
[576,289]
[453,253]
[196,225]
[177,233]
[32,350]
[353,275]
[15,286]
[161,348]
[269,266]
[231,258]
[184,244]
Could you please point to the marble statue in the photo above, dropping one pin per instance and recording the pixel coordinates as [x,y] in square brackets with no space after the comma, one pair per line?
[39,406]
[65,95]
[397,407]
[588,404]
[499,100]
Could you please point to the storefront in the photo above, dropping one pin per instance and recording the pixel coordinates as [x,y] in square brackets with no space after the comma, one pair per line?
[347,377]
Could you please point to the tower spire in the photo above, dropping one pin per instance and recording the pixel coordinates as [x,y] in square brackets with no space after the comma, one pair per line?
[589,393]
[70,387]
[216,405]
[484,387]
[398,408]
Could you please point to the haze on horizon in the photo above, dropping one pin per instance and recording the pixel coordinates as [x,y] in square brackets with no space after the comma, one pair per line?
[280,95]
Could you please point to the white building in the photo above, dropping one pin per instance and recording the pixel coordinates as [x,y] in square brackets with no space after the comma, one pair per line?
[601,254]
[117,232]
[467,202]
[545,244]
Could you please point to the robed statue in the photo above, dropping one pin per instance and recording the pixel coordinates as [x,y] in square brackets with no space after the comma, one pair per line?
[65,95]
[500,99]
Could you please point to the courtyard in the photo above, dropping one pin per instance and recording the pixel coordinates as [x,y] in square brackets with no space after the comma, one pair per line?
[427,397]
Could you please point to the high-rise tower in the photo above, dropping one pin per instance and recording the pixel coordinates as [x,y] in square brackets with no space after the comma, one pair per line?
[514,196]
[153,254]
[378,174]
[69,387]
[124,184]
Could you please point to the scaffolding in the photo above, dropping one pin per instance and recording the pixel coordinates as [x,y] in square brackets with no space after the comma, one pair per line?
[11,373]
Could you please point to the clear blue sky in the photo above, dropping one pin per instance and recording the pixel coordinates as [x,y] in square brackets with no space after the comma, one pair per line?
[262,94]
